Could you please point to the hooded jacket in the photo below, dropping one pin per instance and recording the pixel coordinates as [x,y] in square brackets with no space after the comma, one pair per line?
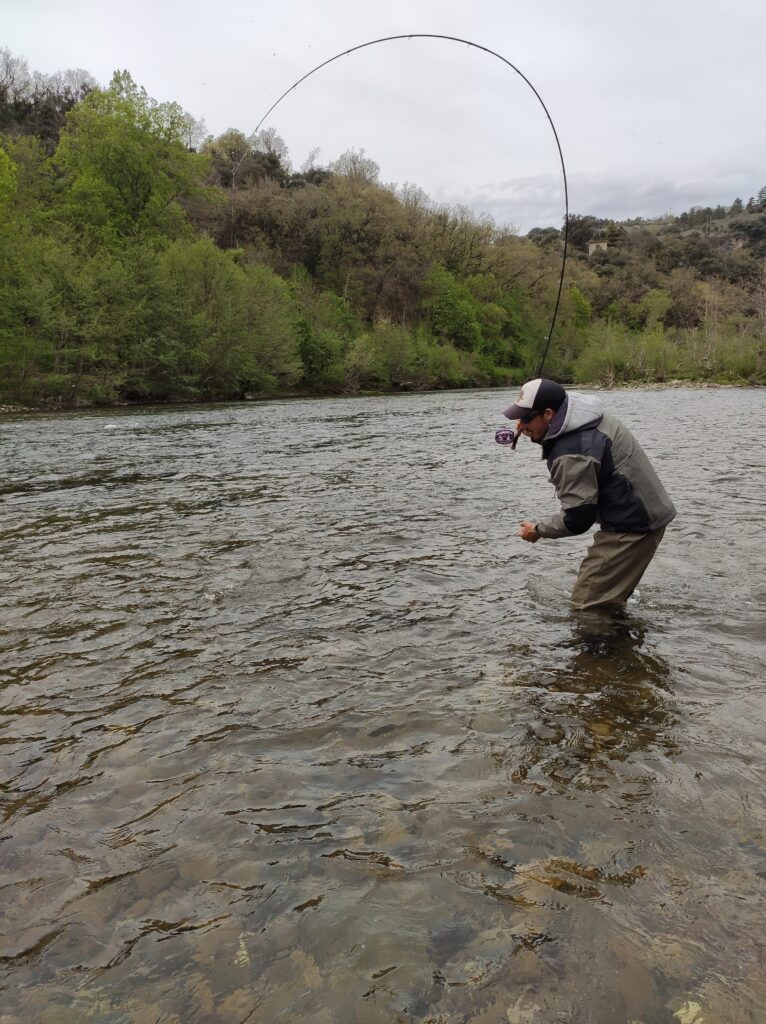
[601,474]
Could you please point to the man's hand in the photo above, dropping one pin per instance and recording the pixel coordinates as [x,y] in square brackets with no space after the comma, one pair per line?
[528,531]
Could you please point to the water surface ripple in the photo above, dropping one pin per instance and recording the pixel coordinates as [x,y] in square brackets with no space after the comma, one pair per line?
[294,728]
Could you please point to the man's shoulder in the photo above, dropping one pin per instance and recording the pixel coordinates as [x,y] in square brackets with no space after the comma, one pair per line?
[611,422]
[616,430]
[586,440]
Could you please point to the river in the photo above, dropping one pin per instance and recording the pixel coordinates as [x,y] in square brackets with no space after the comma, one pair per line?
[294,728]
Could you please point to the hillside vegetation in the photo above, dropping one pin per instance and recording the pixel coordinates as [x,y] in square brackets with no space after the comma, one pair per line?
[140,261]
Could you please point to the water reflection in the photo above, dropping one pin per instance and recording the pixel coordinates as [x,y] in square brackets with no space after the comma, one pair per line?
[608,696]
[631,707]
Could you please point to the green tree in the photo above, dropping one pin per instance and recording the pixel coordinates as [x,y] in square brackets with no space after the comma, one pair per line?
[126,165]
[8,178]
[220,329]
[581,229]
[615,234]
[326,329]
[454,314]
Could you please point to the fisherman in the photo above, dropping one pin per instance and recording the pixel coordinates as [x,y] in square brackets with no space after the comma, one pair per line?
[601,475]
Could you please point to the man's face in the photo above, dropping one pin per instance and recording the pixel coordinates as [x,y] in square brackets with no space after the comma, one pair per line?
[535,425]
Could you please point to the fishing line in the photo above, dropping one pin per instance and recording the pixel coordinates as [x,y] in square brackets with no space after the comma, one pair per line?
[476,46]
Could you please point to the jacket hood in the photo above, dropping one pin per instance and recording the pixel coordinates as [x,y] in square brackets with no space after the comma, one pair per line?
[578,411]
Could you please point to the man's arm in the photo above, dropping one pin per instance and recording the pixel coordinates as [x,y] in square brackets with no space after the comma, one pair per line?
[575,478]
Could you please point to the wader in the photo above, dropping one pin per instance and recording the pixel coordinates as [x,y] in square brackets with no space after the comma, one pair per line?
[612,567]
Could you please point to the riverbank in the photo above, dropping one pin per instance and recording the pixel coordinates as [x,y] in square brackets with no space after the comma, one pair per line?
[9,409]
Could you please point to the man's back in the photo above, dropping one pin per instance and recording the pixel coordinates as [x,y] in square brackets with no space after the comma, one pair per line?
[601,472]
[629,488]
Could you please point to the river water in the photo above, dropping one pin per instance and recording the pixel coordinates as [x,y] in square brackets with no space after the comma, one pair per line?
[294,728]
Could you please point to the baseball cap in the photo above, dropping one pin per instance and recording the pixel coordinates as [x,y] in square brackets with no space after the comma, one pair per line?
[536,396]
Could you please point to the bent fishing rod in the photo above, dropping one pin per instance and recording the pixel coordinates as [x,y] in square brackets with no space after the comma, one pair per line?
[475,46]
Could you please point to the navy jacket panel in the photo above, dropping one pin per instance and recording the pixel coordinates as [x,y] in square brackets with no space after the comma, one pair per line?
[601,474]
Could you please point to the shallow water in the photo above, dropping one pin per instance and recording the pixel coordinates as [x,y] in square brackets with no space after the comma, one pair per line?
[295,728]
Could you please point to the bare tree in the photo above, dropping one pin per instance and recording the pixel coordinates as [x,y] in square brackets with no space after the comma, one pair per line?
[357,167]
[269,142]
[15,77]
[310,163]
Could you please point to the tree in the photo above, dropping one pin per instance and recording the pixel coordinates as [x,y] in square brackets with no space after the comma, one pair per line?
[357,167]
[580,230]
[240,163]
[15,77]
[687,308]
[125,162]
[453,313]
[544,236]
[615,234]
[273,145]
[36,104]
[8,178]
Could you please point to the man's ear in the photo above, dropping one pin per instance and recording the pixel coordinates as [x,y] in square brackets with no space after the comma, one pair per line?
[549,414]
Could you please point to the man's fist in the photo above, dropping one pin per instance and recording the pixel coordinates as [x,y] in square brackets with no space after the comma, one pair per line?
[528,531]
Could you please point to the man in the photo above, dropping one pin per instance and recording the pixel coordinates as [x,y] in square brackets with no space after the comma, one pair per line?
[601,475]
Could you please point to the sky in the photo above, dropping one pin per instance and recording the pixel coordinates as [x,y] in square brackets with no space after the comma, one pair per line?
[658,104]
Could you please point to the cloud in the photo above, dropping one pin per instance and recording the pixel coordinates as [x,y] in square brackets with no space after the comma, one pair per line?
[538,201]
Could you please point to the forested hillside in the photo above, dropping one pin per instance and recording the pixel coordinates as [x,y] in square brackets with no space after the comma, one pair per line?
[141,261]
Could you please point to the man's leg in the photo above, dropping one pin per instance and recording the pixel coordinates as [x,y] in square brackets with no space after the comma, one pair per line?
[612,567]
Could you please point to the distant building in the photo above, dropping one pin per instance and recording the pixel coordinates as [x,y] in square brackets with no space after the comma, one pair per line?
[596,245]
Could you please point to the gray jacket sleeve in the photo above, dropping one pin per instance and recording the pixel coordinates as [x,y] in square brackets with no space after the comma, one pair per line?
[575,478]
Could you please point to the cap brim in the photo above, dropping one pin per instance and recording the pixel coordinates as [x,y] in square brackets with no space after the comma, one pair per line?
[515,412]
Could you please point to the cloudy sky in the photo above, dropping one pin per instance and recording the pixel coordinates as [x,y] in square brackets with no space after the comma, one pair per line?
[658,104]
